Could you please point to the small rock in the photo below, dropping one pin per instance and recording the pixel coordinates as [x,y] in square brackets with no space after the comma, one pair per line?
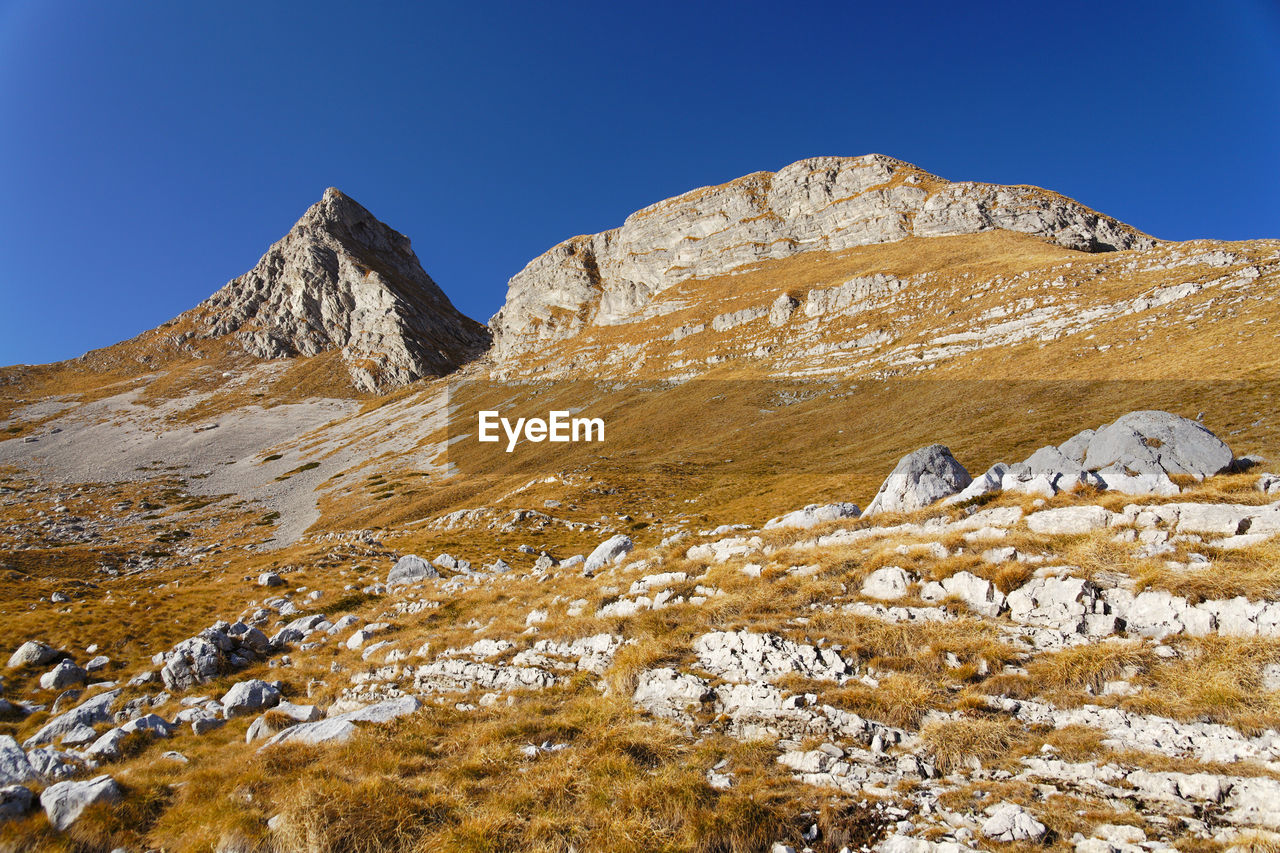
[62,676]
[107,746]
[14,766]
[886,584]
[1010,822]
[79,736]
[340,728]
[99,663]
[607,552]
[247,697]
[15,801]
[813,515]
[410,569]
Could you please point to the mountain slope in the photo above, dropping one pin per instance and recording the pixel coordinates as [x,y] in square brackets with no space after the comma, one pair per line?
[989,305]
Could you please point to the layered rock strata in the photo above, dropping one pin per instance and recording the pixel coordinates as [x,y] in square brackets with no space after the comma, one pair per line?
[819,204]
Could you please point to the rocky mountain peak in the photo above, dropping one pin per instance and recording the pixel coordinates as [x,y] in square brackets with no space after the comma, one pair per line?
[819,204]
[343,280]
[340,214]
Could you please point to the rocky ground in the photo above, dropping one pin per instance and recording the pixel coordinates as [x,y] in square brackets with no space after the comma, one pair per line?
[1081,651]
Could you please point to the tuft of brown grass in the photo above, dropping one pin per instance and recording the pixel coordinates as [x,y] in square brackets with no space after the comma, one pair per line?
[901,700]
[953,743]
[276,721]
[1087,667]
[1253,572]
[654,650]
[1096,553]
[1077,743]
[361,815]
[1011,576]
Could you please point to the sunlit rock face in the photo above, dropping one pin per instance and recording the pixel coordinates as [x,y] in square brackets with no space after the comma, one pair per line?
[342,280]
[819,204]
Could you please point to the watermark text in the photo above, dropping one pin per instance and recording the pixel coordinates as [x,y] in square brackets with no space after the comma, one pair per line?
[558,426]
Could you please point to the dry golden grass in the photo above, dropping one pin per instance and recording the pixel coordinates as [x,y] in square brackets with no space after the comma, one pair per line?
[1252,572]
[445,780]
[1097,554]
[902,699]
[1087,667]
[650,651]
[954,743]
[1219,679]
[1076,743]
[1255,842]
[913,647]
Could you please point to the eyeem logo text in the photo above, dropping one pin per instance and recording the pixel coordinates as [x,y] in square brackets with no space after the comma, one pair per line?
[557,426]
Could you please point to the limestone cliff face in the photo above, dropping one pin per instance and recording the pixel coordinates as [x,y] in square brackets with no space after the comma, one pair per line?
[342,280]
[818,204]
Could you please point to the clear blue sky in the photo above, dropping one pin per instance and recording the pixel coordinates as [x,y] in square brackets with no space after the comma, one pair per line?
[151,151]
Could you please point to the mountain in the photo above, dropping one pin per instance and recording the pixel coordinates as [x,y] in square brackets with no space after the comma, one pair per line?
[250,606]
[342,280]
[818,205]
[340,289]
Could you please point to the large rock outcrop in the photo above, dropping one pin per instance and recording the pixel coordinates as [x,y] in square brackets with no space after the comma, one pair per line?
[818,204]
[1154,443]
[1138,454]
[342,280]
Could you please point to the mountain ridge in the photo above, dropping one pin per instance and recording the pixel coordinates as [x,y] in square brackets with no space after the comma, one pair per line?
[342,282]
[818,203]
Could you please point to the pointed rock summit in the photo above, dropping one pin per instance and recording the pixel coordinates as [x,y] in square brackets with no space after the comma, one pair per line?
[342,280]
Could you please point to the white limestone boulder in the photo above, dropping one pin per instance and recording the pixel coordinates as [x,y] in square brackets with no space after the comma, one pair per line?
[96,709]
[1068,520]
[919,479]
[991,481]
[64,802]
[1154,442]
[341,728]
[32,653]
[1010,822]
[748,656]
[248,697]
[15,802]
[887,584]
[14,766]
[65,674]
[410,569]
[979,594]
[609,551]
[813,515]
[666,692]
